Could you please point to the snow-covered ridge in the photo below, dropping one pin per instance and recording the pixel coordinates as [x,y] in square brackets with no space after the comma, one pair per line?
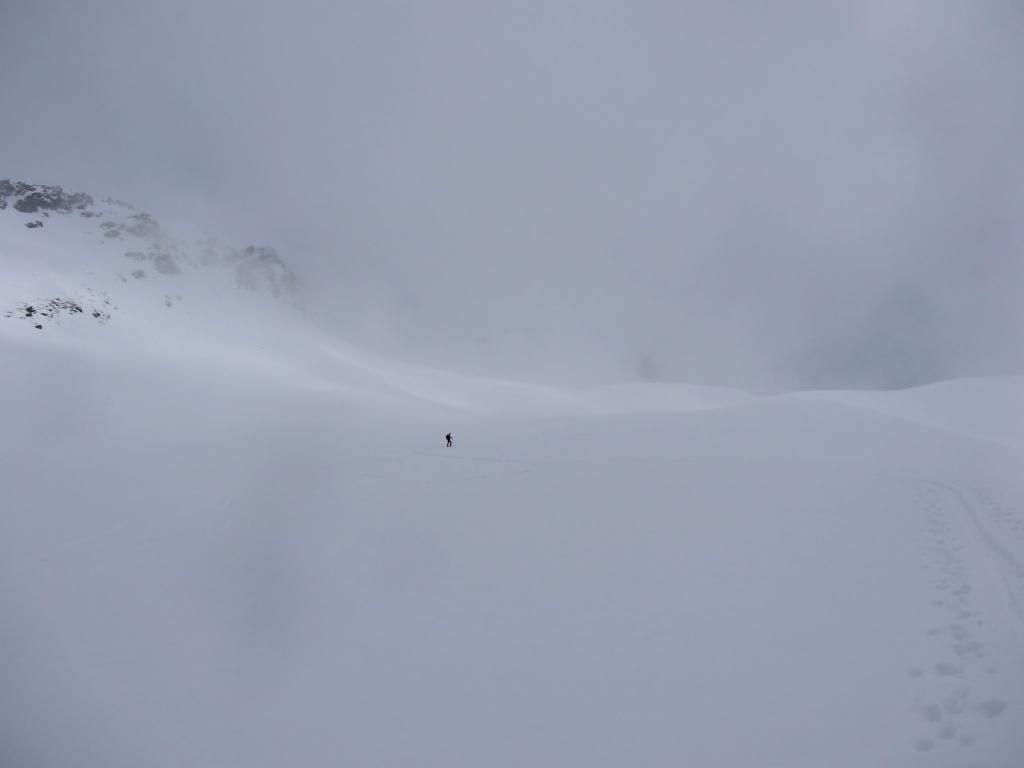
[73,249]
[989,408]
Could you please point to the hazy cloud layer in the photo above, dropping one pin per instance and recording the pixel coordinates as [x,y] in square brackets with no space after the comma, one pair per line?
[797,194]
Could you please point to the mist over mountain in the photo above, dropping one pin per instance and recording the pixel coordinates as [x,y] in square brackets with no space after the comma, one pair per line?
[802,196]
[72,258]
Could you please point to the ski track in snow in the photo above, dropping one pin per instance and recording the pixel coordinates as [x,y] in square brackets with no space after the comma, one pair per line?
[1002,560]
[966,559]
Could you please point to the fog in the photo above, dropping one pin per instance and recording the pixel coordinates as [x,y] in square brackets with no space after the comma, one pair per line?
[773,197]
[584,239]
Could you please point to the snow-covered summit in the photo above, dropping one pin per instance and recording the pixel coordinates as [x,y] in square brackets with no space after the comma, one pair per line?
[70,253]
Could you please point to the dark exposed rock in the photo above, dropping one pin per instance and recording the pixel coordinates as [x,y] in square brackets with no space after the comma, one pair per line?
[33,224]
[39,327]
[30,198]
[54,308]
[143,225]
[164,264]
[258,267]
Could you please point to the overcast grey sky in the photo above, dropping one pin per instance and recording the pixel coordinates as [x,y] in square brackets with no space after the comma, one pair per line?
[770,195]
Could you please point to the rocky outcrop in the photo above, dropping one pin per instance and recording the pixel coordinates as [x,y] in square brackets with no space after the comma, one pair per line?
[164,263]
[32,198]
[262,268]
[52,309]
[158,255]
[256,268]
[137,225]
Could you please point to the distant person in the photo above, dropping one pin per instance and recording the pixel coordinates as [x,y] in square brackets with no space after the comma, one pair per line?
[448,437]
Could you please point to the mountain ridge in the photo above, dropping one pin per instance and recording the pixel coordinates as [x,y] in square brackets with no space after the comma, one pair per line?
[73,253]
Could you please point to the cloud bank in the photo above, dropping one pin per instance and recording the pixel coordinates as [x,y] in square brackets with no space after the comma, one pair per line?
[814,195]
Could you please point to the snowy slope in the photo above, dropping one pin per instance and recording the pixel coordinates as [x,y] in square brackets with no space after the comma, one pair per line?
[85,257]
[228,539]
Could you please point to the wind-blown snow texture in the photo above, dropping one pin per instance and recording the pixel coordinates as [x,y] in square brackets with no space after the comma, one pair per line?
[230,540]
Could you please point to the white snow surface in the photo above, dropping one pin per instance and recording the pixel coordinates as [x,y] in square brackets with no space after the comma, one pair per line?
[228,539]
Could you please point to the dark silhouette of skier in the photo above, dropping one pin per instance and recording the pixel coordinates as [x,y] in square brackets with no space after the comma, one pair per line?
[448,437]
